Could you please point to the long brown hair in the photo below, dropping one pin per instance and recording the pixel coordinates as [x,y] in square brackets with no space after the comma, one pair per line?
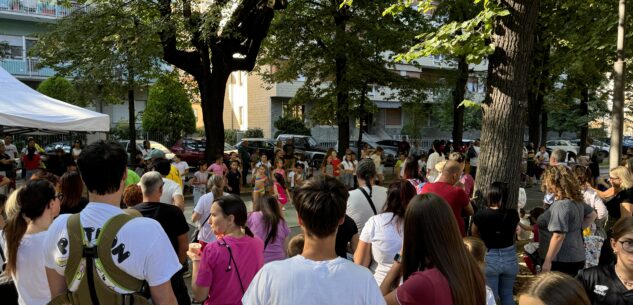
[432,239]
[272,216]
[72,187]
[32,200]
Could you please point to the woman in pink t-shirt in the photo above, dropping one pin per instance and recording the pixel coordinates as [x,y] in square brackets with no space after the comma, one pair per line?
[435,265]
[227,266]
[268,224]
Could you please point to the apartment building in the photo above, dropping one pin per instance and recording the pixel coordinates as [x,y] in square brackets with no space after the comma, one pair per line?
[20,22]
[251,103]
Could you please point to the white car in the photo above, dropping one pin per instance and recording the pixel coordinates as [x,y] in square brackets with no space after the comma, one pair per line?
[565,145]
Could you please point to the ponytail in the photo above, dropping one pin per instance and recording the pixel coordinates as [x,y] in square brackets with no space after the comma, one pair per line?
[31,202]
[13,233]
[248,231]
[216,184]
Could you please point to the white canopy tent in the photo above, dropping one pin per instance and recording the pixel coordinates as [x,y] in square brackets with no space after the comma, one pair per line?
[23,108]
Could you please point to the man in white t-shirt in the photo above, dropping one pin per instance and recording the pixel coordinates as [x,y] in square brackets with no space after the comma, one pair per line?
[9,147]
[473,156]
[358,207]
[141,248]
[318,275]
[172,192]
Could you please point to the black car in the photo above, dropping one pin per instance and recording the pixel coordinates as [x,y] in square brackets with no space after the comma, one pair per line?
[266,146]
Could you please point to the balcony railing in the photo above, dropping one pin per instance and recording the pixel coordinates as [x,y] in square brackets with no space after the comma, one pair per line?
[25,68]
[38,8]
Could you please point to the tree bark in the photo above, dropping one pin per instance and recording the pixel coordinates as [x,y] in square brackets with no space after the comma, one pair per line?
[506,98]
[584,113]
[536,93]
[131,118]
[544,129]
[342,91]
[458,96]
[617,121]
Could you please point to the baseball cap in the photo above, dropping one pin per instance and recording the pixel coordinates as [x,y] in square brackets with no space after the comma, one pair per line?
[155,154]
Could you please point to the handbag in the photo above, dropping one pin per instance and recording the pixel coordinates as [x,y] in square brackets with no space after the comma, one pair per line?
[194,237]
[8,291]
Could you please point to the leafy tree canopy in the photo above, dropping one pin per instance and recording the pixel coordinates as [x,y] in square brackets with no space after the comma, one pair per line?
[168,108]
[291,125]
[60,88]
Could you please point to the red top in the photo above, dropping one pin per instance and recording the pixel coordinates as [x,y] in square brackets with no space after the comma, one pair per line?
[335,163]
[454,196]
[425,287]
[31,164]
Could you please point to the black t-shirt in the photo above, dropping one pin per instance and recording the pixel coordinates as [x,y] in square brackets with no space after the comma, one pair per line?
[4,167]
[604,287]
[233,179]
[613,205]
[497,227]
[344,236]
[170,218]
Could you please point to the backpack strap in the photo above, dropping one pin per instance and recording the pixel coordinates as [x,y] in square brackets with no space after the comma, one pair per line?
[75,243]
[104,245]
[371,203]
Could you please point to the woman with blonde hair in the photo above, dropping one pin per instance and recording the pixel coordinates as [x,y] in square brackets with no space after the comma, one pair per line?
[560,227]
[619,206]
[202,211]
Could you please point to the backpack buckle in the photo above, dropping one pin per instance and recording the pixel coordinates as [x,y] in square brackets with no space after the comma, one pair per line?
[90,252]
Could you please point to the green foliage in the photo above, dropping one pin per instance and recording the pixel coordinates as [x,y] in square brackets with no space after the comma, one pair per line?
[463,35]
[442,116]
[291,125]
[121,131]
[168,108]
[60,88]
[254,133]
[230,136]
[4,49]
[106,50]
[340,51]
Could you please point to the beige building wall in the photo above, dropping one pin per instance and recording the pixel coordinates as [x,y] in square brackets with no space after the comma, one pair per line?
[197,112]
[259,104]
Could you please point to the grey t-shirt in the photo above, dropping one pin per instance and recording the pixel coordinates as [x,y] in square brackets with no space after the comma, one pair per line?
[564,216]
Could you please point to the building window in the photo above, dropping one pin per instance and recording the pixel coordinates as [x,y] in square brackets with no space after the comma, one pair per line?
[16,46]
[295,111]
[393,117]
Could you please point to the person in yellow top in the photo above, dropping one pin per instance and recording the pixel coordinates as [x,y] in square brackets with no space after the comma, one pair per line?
[174,174]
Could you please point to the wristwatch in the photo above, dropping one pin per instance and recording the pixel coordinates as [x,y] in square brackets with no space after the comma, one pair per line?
[397,258]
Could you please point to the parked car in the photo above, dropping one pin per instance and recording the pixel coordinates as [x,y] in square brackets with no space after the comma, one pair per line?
[266,146]
[50,148]
[565,145]
[390,154]
[600,148]
[389,144]
[302,142]
[190,151]
[152,144]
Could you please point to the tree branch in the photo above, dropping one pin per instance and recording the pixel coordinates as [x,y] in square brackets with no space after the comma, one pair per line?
[188,61]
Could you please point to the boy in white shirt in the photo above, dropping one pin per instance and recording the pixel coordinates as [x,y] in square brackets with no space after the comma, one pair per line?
[320,204]
[141,249]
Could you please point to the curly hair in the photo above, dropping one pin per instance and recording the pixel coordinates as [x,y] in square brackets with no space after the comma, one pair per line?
[559,180]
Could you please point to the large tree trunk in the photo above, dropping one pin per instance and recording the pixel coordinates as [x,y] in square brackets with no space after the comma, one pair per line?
[458,96]
[506,98]
[544,128]
[131,120]
[584,113]
[342,91]
[212,89]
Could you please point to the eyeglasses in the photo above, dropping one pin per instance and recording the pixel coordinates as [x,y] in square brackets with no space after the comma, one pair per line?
[59,196]
[614,178]
[627,245]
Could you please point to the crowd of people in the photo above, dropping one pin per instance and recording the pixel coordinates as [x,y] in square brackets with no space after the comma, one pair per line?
[97,232]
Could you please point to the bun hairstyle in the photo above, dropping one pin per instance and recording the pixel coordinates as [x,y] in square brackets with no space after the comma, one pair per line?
[234,205]
[31,202]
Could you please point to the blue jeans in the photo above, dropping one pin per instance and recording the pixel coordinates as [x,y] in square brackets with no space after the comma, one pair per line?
[501,271]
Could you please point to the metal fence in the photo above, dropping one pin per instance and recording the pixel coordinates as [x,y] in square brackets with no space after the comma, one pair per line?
[48,141]
[40,8]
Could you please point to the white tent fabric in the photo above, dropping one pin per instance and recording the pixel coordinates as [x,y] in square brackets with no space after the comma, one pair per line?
[23,107]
